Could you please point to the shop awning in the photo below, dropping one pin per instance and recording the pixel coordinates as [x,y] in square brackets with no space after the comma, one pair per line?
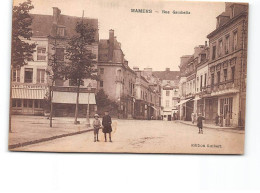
[25,93]
[70,98]
[182,102]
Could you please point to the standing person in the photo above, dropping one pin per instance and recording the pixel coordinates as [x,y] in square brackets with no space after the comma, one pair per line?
[221,120]
[217,119]
[228,119]
[200,124]
[106,122]
[192,118]
[96,126]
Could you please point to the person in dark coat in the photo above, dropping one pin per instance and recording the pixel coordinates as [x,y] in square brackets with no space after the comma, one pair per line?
[200,124]
[106,122]
[217,119]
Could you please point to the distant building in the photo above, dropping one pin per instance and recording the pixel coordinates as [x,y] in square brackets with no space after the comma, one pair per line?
[147,104]
[169,82]
[192,81]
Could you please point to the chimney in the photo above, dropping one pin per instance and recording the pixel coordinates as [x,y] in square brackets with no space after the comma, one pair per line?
[135,68]
[111,45]
[206,44]
[167,69]
[56,14]
[148,69]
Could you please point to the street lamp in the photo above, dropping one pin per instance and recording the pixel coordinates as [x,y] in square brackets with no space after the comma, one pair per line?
[87,117]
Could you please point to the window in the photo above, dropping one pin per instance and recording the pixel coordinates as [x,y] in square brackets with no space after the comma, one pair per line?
[167,93]
[212,79]
[60,54]
[28,75]
[101,83]
[202,57]
[233,73]
[41,53]
[213,52]
[225,74]
[16,75]
[101,70]
[232,12]
[167,103]
[198,83]
[220,50]
[16,103]
[226,105]
[201,80]
[235,40]
[36,104]
[61,31]
[205,80]
[227,44]
[13,102]
[218,75]
[40,75]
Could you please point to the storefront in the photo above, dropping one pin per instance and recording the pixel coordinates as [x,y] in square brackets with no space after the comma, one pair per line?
[28,99]
[64,102]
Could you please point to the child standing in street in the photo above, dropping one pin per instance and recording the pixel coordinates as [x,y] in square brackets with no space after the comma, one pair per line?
[106,122]
[96,126]
[200,124]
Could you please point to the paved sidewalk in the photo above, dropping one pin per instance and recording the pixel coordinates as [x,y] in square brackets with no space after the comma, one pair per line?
[28,130]
[212,126]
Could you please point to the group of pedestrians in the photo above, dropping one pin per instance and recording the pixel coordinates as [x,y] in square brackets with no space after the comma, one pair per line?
[105,126]
[219,119]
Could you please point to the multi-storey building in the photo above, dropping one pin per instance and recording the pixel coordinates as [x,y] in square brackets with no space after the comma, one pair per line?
[190,81]
[228,64]
[147,97]
[117,79]
[201,81]
[169,81]
[30,85]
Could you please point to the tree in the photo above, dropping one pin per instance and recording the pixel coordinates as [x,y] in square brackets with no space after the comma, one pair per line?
[55,72]
[104,103]
[81,64]
[21,50]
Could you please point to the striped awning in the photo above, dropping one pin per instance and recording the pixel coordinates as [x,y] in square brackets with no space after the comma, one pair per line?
[70,97]
[26,93]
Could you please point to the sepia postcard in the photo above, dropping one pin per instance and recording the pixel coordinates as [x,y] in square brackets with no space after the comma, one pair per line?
[113,76]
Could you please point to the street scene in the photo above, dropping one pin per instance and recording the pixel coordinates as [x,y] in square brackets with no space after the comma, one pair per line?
[149,137]
[167,81]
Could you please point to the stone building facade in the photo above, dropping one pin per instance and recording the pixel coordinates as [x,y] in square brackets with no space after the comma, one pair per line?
[218,71]
[31,85]
[117,79]
[228,64]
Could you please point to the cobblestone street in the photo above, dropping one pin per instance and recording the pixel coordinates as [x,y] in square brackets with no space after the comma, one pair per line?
[142,136]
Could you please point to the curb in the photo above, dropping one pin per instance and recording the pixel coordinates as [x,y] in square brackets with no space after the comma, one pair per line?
[46,139]
[221,128]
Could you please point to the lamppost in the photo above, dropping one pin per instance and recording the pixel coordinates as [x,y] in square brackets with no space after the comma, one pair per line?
[87,117]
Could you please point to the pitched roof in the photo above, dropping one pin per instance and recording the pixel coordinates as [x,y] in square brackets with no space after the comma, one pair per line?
[42,25]
[167,75]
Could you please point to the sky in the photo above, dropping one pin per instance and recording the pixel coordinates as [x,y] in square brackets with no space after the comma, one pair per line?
[153,40]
